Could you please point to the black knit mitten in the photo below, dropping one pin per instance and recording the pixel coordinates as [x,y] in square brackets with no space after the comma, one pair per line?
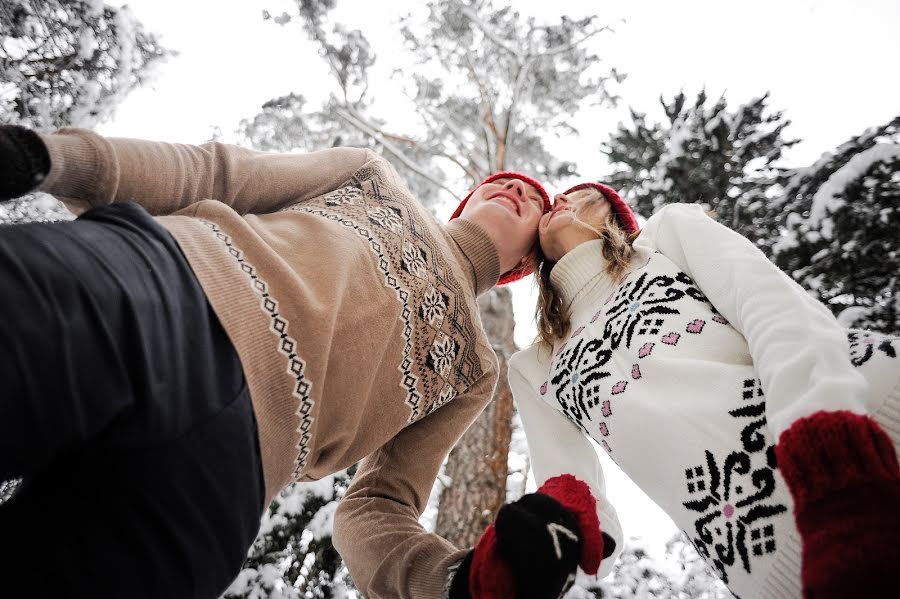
[531,551]
[24,161]
[542,540]
[535,545]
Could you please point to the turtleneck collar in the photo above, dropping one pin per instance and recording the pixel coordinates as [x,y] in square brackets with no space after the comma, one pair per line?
[479,250]
[581,270]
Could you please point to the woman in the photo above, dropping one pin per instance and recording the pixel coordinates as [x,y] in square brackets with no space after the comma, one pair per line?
[219,323]
[728,395]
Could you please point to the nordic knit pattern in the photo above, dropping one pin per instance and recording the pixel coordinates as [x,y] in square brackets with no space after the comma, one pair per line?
[660,374]
[352,310]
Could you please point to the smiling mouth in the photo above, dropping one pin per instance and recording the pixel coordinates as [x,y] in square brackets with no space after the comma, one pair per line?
[553,215]
[510,200]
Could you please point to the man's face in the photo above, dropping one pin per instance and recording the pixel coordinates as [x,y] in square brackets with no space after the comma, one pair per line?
[509,211]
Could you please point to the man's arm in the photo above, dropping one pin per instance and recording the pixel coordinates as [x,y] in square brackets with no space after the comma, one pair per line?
[89,170]
[376,528]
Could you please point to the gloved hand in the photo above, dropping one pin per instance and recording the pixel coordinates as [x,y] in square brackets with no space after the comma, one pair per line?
[535,545]
[843,473]
[24,161]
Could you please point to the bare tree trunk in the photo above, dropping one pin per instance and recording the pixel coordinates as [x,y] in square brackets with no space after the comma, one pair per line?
[477,466]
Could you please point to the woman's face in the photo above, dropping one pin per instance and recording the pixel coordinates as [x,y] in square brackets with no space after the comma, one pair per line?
[572,221]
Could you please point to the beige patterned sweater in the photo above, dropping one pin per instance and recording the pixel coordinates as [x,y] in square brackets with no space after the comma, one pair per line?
[352,310]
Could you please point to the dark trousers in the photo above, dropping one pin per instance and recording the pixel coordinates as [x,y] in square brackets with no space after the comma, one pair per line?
[123,408]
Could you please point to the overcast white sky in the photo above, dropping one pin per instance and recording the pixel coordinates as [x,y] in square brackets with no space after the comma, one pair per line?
[831,64]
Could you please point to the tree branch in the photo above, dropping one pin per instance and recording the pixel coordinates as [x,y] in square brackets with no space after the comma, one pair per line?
[364,127]
[572,45]
[385,134]
[429,119]
[488,127]
[486,30]
[513,105]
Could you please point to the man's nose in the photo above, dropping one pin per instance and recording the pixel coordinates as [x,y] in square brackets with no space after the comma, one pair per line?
[515,186]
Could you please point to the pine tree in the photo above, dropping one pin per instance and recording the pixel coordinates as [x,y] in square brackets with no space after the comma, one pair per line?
[840,229]
[67,64]
[726,160]
[691,575]
[681,574]
[293,556]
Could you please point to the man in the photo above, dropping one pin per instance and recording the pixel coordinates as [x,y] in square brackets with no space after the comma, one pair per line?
[220,322]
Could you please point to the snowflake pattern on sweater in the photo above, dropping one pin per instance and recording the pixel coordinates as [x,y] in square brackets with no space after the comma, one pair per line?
[438,329]
[865,345]
[733,496]
[639,309]
[287,346]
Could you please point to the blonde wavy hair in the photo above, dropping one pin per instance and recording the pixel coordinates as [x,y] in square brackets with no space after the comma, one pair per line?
[553,319]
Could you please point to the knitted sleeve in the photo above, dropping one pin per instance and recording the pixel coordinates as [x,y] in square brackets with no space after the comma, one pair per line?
[91,170]
[376,527]
[798,348]
[557,446]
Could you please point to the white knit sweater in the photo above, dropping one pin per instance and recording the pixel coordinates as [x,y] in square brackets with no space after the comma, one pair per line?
[686,370]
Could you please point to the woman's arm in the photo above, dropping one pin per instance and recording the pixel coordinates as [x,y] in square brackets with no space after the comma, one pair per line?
[798,348]
[90,170]
[558,447]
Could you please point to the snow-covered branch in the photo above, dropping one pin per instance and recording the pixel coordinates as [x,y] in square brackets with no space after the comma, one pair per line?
[489,33]
[471,169]
[488,127]
[514,102]
[363,126]
[571,45]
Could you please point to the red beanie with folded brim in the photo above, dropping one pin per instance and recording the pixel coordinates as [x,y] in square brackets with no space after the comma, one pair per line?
[518,273]
[622,211]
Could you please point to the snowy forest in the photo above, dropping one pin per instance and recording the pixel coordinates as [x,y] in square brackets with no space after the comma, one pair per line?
[488,85]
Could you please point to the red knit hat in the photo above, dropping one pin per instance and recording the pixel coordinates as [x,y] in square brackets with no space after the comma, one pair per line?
[620,208]
[517,273]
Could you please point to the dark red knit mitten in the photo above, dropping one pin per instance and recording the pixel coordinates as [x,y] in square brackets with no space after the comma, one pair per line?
[491,576]
[843,473]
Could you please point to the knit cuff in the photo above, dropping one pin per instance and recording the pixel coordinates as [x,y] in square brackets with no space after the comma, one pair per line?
[830,451]
[575,496]
[82,165]
[458,579]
